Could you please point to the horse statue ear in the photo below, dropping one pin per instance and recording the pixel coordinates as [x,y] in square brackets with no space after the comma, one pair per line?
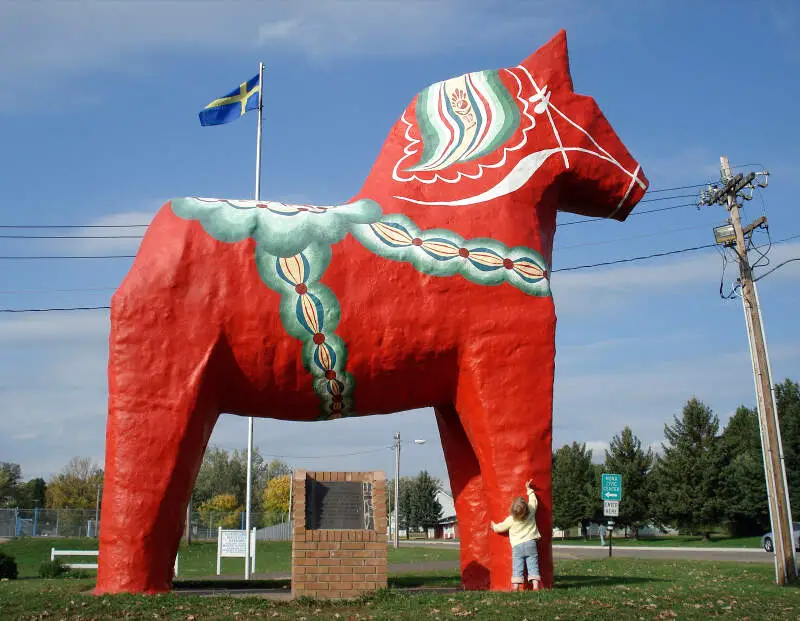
[550,63]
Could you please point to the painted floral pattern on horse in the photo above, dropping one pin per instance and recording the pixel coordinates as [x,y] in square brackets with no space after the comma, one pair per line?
[310,313]
[440,252]
[283,229]
[464,118]
[309,310]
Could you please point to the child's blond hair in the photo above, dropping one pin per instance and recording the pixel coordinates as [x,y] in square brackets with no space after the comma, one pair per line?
[519,508]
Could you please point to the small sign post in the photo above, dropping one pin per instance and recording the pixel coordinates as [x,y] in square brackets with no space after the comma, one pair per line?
[611,493]
[611,508]
[233,544]
[612,487]
[610,537]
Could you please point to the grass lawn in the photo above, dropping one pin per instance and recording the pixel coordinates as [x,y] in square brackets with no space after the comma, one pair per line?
[607,589]
[199,559]
[691,541]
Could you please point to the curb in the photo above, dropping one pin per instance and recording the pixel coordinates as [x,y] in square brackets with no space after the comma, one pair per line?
[657,548]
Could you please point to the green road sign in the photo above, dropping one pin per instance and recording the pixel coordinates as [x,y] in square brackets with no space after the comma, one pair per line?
[612,487]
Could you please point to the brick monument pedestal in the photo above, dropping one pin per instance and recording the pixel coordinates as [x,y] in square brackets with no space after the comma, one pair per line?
[338,533]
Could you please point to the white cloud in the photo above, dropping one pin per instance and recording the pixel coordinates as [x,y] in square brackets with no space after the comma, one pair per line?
[598,448]
[124,240]
[411,27]
[54,328]
[49,46]
[692,162]
[609,288]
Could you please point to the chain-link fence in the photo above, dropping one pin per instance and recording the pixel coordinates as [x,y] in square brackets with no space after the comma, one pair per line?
[270,525]
[273,526]
[48,523]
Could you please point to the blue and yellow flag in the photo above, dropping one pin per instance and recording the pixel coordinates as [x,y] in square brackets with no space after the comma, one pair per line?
[233,105]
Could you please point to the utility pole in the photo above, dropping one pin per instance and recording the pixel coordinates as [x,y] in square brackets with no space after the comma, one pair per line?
[395,538]
[733,235]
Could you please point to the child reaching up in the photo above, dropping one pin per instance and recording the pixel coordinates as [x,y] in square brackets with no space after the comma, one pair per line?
[523,533]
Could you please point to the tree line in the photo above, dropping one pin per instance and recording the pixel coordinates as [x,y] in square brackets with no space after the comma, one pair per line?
[218,494]
[703,480]
[75,487]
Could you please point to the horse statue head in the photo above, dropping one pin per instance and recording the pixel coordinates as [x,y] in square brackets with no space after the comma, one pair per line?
[490,135]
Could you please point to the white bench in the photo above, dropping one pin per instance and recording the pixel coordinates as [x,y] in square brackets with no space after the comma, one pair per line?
[54,553]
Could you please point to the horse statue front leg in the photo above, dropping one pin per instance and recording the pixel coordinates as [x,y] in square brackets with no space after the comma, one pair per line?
[504,402]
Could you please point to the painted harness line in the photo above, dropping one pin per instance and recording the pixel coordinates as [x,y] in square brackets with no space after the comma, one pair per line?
[293,250]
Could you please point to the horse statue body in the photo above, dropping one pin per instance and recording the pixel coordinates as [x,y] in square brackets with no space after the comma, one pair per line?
[431,287]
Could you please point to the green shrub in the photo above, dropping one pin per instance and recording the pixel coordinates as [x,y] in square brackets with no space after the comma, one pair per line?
[8,567]
[52,569]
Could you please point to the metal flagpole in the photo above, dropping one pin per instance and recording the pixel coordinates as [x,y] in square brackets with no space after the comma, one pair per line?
[249,494]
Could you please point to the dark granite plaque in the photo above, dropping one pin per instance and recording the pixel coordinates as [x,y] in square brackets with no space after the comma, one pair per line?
[339,505]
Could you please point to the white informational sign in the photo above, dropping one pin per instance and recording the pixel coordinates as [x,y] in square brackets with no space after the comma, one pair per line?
[233,544]
[611,508]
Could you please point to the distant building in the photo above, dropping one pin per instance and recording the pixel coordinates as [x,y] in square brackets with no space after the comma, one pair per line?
[448,525]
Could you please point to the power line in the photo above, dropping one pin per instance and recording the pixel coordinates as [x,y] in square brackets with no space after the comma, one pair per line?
[136,226]
[383,448]
[71,236]
[635,213]
[69,290]
[67,256]
[49,310]
[560,224]
[632,259]
[563,269]
[621,239]
[680,187]
[774,268]
[567,223]
[666,198]
[72,226]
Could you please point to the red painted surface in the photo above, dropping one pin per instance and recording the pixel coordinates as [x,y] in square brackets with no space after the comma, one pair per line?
[195,332]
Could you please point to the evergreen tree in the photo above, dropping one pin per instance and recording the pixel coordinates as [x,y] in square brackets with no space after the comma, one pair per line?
[405,517]
[627,458]
[573,481]
[787,396]
[427,511]
[745,491]
[31,493]
[688,490]
[10,475]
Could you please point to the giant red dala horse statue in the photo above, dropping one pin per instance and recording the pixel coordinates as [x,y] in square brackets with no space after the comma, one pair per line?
[430,288]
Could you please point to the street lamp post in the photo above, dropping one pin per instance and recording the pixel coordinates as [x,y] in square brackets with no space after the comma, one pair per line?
[397,442]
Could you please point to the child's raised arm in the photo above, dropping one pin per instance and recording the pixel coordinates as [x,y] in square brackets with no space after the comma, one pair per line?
[533,502]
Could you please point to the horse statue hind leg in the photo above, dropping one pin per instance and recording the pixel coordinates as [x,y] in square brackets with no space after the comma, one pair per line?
[430,288]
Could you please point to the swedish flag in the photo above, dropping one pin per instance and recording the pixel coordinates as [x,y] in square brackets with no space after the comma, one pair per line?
[233,105]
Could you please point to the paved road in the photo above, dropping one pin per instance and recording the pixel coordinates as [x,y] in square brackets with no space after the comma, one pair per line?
[742,555]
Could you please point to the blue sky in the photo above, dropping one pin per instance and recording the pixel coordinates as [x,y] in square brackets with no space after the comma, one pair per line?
[98,125]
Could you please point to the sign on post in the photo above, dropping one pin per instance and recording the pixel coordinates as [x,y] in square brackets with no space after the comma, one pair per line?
[611,508]
[233,544]
[612,487]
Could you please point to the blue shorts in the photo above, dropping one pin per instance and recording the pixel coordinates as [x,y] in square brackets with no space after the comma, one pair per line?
[522,555]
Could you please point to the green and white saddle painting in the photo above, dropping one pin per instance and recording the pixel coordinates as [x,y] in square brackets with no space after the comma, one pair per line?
[293,250]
